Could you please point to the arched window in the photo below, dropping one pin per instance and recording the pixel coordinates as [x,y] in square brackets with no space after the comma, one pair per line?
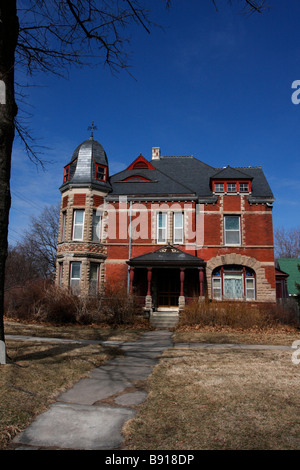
[140,164]
[233,282]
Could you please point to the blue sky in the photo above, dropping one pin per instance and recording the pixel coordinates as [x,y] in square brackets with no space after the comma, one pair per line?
[216,85]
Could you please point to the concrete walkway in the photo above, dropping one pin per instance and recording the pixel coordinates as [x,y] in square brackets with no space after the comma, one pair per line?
[90,415]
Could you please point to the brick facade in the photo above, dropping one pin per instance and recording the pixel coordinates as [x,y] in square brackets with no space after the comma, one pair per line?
[134,237]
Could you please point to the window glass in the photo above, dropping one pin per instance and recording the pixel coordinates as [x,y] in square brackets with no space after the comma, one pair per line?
[100,173]
[219,187]
[233,286]
[75,271]
[232,230]
[78,224]
[94,277]
[217,288]
[250,289]
[244,187]
[231,187]
[161,227]
[178,227]
[96,227]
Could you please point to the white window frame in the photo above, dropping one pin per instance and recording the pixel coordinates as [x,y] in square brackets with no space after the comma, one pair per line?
[250,289]
[219,187]
[243,190]
[163,228]
[97,265]
[231,230]
[231,190]
[177,240]
[76,224]
[72,286]
[96,227]
[219,288]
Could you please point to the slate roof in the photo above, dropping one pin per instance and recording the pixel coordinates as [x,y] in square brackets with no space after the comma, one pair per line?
[186,176]
[290,266]
[82,165]
[167,255]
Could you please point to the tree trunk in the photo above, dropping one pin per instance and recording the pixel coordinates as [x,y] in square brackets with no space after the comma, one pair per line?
[9,28]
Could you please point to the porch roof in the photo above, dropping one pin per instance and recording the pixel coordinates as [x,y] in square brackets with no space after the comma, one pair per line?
[167,255]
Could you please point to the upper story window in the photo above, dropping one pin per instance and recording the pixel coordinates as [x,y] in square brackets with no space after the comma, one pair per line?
[232,230]
[219,187]
[244,187]
[161,227]
[231,186]
[66,173]
[78,224]
[100,172]
[178,235]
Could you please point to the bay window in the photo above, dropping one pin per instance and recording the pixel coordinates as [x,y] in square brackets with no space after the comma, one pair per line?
[78,223]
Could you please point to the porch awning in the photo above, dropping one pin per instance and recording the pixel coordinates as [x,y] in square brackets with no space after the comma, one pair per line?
[165,256]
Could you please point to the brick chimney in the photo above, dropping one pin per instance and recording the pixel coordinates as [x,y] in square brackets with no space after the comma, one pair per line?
[155,153]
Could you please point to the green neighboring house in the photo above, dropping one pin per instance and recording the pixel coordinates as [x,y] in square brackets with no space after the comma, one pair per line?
[290,266]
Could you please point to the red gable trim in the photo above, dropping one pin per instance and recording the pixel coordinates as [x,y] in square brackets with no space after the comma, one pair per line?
[138,162]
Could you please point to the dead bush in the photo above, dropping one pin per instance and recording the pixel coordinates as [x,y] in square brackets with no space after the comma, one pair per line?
[236,315]
[46,303]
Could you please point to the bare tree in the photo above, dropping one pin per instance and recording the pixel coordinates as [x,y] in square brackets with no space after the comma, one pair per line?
[40,241]
[287,242]
[49,36]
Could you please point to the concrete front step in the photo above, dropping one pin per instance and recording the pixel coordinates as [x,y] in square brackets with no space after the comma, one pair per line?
[164,319]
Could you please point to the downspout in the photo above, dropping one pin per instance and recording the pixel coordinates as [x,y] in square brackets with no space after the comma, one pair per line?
[129,246]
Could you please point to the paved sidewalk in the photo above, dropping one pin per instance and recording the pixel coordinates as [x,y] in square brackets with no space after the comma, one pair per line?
[90,415]
[80,420]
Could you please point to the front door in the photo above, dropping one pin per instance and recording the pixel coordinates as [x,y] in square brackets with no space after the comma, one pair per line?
[168,287]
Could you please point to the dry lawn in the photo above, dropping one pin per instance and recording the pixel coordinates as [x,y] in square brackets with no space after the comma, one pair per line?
[38,374]
[219,400]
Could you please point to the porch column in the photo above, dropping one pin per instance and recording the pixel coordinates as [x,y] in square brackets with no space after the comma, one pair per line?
[201,278]
[181,298]
[149,278]
[148,299]
[131,277]
[181,281]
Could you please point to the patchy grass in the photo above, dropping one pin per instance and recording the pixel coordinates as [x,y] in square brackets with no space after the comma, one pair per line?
[219,399]
[276,336]
[102,332]
[35,377]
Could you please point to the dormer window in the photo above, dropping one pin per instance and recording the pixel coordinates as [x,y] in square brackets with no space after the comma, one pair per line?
[231,187]
[100,172]
[244,187]
[219,187]
[66,173]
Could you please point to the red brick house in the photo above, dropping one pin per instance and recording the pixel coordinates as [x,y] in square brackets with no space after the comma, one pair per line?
[171,229]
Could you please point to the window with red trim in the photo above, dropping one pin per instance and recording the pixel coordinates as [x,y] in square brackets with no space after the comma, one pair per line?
[231,186]
[66,173]
[100,172]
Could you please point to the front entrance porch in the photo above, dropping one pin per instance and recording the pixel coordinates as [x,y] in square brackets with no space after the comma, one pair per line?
[166,279]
